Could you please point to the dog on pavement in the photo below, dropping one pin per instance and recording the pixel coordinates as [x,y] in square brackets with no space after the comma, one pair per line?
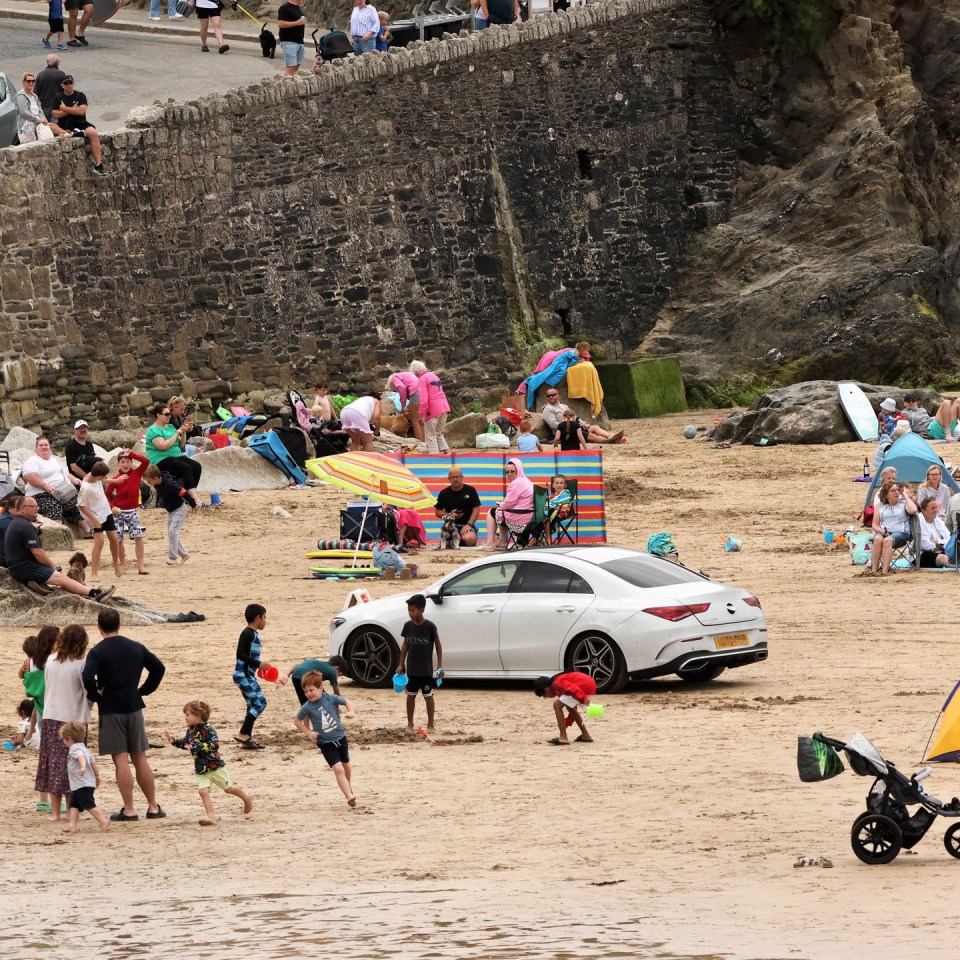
[449,534]
[268,43]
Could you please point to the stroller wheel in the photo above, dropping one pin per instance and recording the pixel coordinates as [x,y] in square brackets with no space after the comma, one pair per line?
[875,838]
[951,840]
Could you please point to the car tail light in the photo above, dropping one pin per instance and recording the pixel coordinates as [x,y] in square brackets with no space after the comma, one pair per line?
[681,612]
[752,602]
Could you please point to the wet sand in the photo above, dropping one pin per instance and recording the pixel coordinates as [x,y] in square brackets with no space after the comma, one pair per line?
[673,835]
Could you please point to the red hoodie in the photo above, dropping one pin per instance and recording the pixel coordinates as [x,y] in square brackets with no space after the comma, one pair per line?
[126,495]
[580,686]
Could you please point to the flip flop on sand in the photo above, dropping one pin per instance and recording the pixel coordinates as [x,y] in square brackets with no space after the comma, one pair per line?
[557,742]
[583,739]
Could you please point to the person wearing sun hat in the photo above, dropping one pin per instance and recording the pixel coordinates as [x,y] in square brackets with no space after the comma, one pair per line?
[888,416]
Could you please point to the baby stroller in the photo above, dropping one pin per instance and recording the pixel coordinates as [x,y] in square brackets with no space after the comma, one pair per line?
[887,826]
[331,46]
[327,435]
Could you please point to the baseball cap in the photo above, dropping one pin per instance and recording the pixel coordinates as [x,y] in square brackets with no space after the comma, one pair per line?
[67,79]
[889,405]
[80,423]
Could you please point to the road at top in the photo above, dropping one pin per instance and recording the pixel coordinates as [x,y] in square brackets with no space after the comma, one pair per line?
[121,70]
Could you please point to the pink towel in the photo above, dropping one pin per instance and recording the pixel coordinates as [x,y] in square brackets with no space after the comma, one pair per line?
[415,530]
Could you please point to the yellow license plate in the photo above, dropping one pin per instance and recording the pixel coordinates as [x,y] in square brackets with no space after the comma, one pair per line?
[732,640]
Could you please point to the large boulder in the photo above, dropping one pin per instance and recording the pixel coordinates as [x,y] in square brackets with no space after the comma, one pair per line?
[55,536]
[20,438]
[237,468]
[112,439]
[20,607]
[807,412]
[463,431]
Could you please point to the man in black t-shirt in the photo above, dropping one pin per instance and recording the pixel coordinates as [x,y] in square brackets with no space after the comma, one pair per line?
[290,27]
[29,563]
[80,453]
[70,112]
[463,502]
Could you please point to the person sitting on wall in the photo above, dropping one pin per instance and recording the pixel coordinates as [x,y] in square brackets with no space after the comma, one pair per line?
[70,112]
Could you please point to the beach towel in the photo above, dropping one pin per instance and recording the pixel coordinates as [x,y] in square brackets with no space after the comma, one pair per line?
[552,375]
[415,529]
[583,382]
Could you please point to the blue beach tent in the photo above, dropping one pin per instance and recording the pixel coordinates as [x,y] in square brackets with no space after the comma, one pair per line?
[912,456]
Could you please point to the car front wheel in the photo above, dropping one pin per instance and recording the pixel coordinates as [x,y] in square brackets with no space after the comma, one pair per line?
[598,656]
[371,656]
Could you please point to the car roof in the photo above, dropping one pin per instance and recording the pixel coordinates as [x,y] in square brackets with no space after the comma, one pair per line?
[597,555]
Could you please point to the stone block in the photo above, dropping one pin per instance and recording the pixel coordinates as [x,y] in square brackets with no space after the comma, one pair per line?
[642,388]
[18,438]
[55,536]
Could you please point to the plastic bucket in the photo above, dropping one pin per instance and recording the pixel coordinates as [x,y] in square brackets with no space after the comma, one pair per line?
[399,682]
[215,499]
[828,536]
[269,673]
[595,710]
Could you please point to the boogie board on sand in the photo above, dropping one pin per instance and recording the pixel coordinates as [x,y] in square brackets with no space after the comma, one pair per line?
[859,411]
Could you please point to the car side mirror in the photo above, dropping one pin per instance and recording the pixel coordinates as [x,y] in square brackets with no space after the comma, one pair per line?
[437,598]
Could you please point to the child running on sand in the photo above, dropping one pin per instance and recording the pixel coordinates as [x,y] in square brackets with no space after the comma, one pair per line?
[124,497]
[249,652]
[571,690]
[93,504]
[204,746]
[331,738]
[174,498]
[420,637]
[84,777]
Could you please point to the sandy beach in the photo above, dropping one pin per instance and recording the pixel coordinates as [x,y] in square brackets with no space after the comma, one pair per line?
[673,835]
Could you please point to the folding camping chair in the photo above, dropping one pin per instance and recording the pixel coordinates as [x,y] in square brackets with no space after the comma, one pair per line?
[560,526]
[534,534]
[907,557]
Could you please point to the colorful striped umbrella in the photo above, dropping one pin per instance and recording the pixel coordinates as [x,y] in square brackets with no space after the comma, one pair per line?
[374,475]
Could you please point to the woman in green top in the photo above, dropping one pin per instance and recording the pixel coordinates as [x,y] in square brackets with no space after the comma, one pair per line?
[163,447]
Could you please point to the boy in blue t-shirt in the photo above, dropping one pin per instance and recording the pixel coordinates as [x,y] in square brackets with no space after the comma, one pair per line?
[322,710]
[55,22]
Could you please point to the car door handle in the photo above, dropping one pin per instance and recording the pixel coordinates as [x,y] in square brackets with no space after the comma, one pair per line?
[486,609]
[566,609]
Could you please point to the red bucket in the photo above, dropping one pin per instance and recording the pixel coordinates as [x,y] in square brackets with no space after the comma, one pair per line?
[269,673]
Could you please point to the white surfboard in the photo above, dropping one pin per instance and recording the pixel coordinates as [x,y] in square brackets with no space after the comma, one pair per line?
[859,411]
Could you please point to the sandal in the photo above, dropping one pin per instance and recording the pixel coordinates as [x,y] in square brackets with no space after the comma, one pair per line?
[250,744]
[557,742]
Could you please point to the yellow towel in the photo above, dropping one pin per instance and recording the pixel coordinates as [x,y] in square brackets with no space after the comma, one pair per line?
[583,382]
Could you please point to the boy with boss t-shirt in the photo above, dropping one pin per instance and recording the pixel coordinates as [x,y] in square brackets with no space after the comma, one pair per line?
[420,638]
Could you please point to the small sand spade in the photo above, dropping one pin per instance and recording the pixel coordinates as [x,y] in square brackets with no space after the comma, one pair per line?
[423,733]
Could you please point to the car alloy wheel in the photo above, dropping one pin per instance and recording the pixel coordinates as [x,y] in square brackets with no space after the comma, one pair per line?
[371,657]
[598,656]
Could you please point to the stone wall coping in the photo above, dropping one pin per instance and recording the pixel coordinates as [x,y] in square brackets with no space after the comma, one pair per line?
[344,73]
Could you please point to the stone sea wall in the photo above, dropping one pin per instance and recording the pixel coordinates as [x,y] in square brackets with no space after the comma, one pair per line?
[459,201]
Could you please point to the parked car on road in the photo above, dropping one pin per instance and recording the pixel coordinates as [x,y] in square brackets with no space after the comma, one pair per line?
[8,112]
[612,612]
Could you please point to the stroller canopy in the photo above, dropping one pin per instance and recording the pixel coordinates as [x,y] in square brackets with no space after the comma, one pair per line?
[912,456]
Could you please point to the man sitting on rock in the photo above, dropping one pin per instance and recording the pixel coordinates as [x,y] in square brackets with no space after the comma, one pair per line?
[28,561]
[80,454]
[10,510]
[553,414]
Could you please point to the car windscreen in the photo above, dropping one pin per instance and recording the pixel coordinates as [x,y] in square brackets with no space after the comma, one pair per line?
[650,572]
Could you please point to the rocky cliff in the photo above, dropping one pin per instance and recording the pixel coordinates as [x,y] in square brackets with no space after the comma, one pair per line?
[840,255]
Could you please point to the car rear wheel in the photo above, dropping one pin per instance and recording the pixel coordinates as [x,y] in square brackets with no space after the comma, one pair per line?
[701,674]
[598,656]
[371,656]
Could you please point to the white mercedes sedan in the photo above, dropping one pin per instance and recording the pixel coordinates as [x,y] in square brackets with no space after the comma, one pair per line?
[612,612]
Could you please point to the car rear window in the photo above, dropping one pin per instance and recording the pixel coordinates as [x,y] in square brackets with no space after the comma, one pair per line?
[650,572]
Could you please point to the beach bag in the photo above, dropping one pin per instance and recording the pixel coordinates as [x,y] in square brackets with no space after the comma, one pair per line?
[817,761]
[44,132]
[64,492]
[493,439]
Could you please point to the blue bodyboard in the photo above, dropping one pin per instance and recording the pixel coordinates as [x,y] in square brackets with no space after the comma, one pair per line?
[269,447]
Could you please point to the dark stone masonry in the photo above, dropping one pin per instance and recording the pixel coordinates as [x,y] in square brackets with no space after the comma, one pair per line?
[456,201]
